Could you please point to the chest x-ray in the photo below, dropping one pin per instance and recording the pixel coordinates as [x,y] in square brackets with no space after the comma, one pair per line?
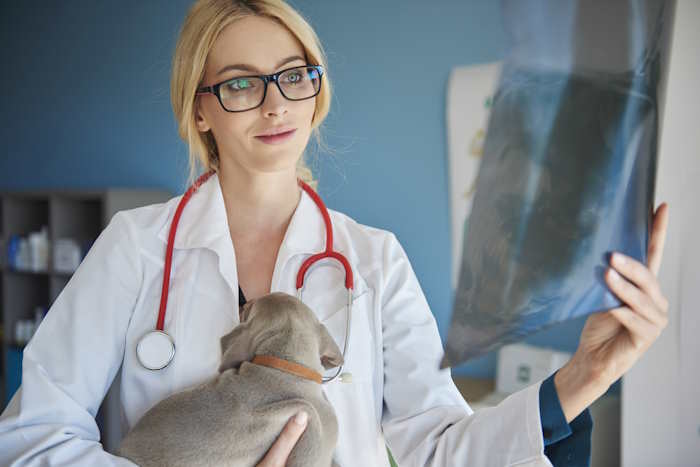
[568,167]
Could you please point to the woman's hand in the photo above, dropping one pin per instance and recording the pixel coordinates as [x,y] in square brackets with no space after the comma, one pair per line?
[279,452]
[612,341]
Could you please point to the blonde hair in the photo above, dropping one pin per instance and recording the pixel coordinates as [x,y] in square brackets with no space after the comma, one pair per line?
[203,24]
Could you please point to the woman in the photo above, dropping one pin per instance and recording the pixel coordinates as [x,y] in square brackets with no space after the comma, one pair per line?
[249,228]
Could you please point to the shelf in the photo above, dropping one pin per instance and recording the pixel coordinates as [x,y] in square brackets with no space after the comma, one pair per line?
[28,272]
[22,272]
[22,215]
[75,218]
[77,214]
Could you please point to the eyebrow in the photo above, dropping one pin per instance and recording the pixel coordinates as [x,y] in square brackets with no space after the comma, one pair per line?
[244,67]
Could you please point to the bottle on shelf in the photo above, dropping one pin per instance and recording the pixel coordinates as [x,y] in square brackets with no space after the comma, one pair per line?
[39,250]
[30,253]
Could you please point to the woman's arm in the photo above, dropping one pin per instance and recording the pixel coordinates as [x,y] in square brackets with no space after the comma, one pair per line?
[611,342]
[425,420]
[565,444]
[72,359]
[608,348]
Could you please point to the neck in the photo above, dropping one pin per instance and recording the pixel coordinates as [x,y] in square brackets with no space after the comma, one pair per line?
[259,202]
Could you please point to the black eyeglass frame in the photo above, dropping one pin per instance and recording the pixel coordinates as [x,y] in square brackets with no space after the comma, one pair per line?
[214,88]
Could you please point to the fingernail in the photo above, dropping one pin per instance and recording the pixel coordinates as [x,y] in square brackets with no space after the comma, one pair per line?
[614,275]
[301,418]
[619,259]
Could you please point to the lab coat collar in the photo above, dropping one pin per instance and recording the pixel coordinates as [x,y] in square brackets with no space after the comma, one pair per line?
[203,224]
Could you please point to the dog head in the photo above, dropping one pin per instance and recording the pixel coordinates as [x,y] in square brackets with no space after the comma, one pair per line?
[281,325]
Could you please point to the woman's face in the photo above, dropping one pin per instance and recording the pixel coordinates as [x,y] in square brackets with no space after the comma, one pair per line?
[265,47]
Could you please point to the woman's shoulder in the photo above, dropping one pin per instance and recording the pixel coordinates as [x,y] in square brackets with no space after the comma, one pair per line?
[145,221]
[365,240]
[344,222]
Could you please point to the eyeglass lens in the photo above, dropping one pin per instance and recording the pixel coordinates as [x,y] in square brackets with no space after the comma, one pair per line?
[247,92]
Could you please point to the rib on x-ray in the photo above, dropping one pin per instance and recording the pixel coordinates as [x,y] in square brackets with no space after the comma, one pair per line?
[568,167]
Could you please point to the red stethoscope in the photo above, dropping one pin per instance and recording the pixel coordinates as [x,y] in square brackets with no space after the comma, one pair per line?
[156,348]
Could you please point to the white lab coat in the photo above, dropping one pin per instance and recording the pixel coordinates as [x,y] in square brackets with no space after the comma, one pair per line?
[397,394]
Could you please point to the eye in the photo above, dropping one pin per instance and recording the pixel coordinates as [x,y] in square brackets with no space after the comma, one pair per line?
[294,77]
[240,84]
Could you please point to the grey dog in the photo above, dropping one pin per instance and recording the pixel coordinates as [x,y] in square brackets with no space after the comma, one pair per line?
[233,419]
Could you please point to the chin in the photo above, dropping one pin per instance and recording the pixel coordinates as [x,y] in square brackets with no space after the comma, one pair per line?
[285,160]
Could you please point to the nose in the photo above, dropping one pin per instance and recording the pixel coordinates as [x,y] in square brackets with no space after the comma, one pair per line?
[275,103]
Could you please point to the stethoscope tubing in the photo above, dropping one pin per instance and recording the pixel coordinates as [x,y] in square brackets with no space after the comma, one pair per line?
[171,241]
[327,253]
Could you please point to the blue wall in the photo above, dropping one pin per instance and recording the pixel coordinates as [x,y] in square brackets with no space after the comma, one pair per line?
[86,104]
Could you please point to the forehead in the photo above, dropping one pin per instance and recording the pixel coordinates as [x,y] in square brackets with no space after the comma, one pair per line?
[256,41]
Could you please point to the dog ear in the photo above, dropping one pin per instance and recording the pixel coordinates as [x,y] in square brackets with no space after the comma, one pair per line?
[330,353]
[236,347]
[244,311]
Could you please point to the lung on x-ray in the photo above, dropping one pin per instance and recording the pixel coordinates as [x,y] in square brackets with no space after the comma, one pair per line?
[568,168]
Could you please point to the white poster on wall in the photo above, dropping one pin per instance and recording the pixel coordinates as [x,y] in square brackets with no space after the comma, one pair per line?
[469,93]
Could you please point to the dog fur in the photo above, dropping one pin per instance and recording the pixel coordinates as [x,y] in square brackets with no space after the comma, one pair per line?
[233,419]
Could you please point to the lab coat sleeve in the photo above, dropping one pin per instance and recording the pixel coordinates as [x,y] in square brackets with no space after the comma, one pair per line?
[70,363]
[425,420]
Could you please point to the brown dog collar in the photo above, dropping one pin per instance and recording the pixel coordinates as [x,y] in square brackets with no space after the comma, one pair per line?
[287,366]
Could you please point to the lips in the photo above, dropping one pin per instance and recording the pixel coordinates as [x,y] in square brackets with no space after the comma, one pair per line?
[277,138]
[277,131]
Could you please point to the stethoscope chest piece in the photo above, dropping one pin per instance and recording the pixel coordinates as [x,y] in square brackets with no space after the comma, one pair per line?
[155,350]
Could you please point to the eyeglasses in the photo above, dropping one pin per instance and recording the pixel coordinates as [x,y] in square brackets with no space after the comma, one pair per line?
[248,92]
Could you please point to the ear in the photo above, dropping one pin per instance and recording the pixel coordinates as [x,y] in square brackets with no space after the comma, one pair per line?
[236,347]
[199,119]
[328,349]
[244,311]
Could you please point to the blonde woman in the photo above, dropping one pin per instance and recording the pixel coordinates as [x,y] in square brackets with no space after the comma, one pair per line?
[245,233]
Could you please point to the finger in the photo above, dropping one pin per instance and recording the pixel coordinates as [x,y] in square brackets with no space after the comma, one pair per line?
[642,332]
[279,452]
[641,276]
[658,238]
[635,299]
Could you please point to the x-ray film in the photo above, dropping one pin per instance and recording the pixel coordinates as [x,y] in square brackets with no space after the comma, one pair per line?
[568,167]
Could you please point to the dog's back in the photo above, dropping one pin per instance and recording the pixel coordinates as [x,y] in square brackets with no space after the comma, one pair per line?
[234,419]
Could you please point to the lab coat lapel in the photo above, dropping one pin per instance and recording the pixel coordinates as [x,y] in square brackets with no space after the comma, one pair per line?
[203,224]
[305,235]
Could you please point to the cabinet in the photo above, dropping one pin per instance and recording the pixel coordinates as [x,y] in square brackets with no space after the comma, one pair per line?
[78,215]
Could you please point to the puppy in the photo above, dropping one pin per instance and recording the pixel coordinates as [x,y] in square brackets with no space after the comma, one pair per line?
[233,419]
